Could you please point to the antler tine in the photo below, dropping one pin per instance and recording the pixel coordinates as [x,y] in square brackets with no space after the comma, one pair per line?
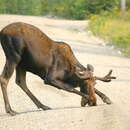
[110,72]
[106,78]
[109,75]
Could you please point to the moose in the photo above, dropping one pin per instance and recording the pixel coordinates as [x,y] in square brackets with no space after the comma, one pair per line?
[27,48]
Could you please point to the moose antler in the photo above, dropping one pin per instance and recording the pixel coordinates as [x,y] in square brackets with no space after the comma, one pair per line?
[106,78]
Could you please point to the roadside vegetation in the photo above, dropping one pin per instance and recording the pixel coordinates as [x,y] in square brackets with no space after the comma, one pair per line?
[70,9]
[113,28]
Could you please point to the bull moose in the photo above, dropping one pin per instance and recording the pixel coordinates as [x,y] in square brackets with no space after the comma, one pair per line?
[28,49]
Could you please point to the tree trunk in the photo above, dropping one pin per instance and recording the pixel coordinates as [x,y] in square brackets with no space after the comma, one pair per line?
[123,7]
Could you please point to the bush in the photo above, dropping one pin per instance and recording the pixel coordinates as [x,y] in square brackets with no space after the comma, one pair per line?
[113,28]
[72,9]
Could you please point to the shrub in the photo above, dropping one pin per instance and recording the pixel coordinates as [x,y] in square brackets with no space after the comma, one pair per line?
[113,28]
[72,9]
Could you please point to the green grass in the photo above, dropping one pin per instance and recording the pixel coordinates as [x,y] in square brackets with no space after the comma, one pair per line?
[113,28]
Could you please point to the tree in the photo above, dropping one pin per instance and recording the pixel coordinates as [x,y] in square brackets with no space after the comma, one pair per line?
[123,7]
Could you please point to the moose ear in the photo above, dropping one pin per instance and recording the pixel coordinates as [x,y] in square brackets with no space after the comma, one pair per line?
[90,68]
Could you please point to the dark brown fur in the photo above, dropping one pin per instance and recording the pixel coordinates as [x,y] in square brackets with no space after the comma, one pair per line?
[28,49]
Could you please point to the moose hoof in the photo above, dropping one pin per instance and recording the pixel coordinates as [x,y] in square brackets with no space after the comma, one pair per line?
[45,108]
[107,100]
[84,101]
[12,113]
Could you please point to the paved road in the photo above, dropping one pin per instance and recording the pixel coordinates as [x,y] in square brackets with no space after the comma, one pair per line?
[67,113]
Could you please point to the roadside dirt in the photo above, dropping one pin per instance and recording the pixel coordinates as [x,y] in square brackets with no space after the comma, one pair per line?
[67,113]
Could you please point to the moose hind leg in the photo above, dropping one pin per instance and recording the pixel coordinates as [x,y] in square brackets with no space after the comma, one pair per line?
[21,81]
[4,79]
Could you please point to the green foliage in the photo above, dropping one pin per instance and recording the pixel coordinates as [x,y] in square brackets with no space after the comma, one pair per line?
[2,6]
[113,28]
[128,4]
[96,6]
[72,9]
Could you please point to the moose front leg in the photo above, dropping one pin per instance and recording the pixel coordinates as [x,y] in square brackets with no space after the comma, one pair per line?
[103,96]
[64,86]
[21,82]
[90,98]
